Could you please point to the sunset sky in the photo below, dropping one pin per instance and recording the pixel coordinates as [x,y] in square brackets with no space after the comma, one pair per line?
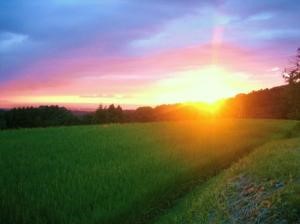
[80,53]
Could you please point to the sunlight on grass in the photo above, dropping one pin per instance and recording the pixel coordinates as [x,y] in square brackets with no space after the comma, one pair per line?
[116,173]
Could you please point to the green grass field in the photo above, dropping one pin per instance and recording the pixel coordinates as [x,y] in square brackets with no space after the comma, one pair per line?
[135,173]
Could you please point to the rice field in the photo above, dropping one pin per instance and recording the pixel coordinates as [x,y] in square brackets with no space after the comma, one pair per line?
[118,173]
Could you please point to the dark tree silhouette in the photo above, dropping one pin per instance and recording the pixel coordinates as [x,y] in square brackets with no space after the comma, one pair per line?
[100,115]
[291,73]
[292,77]
[43,116]
[111,114]
[144,114]
[2,120]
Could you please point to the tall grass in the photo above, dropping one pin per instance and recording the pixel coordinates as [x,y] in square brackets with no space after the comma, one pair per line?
[116,173]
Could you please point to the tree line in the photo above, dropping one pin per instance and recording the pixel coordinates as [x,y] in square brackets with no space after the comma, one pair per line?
[275,103]
[282,102]
[42,116]
[45,116]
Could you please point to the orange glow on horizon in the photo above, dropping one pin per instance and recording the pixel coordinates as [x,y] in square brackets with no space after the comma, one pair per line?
[211,108]
[206,84]
[193,74]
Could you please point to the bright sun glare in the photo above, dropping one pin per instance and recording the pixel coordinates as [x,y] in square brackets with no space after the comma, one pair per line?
[207,84]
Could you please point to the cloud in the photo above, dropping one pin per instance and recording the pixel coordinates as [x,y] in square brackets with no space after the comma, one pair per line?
[9,41]
[59,27]
[105,95]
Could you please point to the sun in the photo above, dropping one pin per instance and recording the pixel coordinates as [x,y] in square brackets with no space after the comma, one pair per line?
[207,84]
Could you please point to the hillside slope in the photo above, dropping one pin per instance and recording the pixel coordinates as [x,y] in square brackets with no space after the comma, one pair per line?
[261,188]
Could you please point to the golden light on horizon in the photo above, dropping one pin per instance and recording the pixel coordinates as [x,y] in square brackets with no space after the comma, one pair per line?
[212,108]
[205,84]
